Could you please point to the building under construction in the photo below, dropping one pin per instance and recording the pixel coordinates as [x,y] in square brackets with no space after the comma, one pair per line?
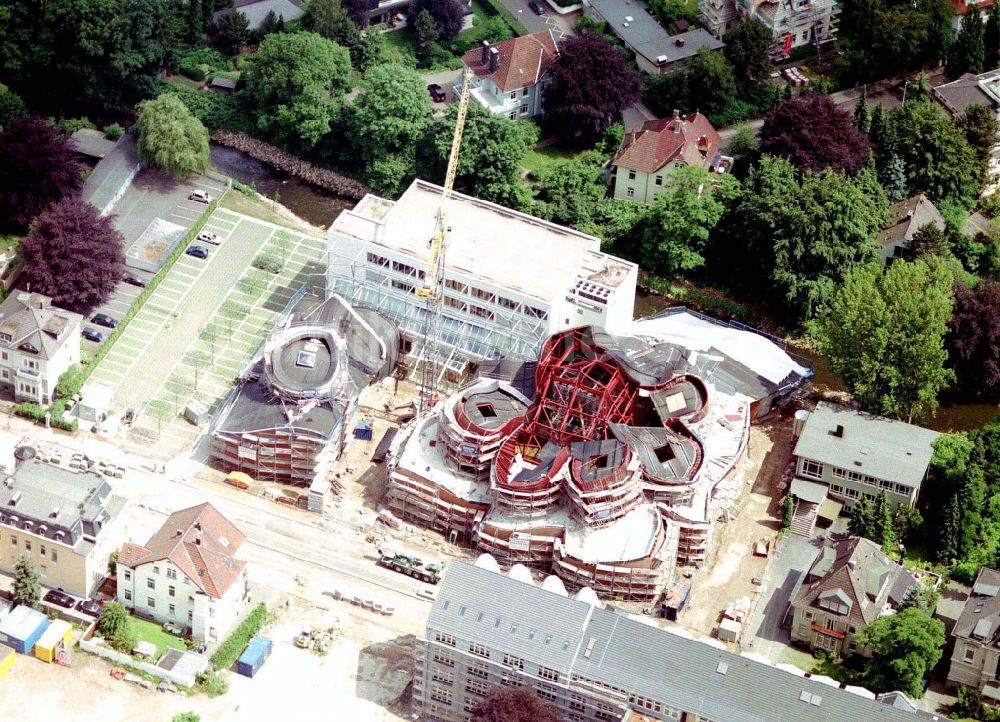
[510,279]
[287,418]
[609,462]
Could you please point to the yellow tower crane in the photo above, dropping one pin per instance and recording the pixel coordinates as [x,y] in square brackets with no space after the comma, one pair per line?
[432,288]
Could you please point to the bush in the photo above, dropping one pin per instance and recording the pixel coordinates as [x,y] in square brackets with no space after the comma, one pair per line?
[198,63]
[267,262]
[113,131]
[230,650]
[71,125]
[212,684]
[70,383]
[964,572]
[32,412]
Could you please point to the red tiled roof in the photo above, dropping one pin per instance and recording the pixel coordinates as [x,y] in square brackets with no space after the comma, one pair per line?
[522,63]
[658,142]
[200,542]
[961,7]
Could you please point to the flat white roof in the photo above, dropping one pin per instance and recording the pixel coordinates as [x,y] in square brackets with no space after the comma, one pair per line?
[511,249]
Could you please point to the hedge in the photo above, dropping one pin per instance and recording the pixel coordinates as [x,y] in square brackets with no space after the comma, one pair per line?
[230,650]
[500,9]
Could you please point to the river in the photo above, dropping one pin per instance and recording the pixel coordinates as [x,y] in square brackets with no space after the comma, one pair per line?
[949,416]
[312,204]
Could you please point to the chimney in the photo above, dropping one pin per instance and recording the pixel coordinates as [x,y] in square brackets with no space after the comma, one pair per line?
[703,143]
[839,431]
[851,564]
[197,525]
[197,540]
[679,42]
[485,57]
[677,114]
[494,60]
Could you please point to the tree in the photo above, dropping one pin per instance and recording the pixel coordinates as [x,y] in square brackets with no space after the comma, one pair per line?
[862,521]
[885,38]
[115,627]
[981,129]
[748,50]
[904,646]
[27,590]
[369,51]
[885,534]
[704,83]
[939,160]
[514,704]
[991,35]
[449,15]
[489,163]
[425,32]
[893,179]
[862,116]
[814,134]
[591,84]
[11,106]
[787,511]
[329,19]
[572,190]
[234,32]
[884,334]
[392,114]
[37,168]
[357,10]
[968,53]
[881,133]
[296,84]
[929,240]
[973,340]
[73,255]
[186,717]
[113,563]
[170,138]
[674,230]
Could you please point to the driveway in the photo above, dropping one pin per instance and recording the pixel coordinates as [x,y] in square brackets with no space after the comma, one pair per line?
[560,25]
[791,561]
[155,195]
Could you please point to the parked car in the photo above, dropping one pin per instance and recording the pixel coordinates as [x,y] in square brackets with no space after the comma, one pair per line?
[134,281]
[437,93]
[60,598]
[92,334]
[89,607]
[198,252]
[207,237]
[103,319]
[536,7]
[200,196]
[129,416]
[171,628]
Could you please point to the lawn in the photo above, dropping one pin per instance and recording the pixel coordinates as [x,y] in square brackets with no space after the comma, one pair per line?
[403,50]
[151,632]
[540,161]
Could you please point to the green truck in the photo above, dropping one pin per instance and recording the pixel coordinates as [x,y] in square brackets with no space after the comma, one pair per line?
[411,565]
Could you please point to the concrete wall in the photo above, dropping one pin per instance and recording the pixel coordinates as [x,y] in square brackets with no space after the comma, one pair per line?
[849,490]
[95,645]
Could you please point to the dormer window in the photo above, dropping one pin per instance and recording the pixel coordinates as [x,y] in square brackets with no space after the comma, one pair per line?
[6,337]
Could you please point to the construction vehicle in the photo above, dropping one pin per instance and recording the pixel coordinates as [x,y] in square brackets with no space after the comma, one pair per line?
[432,288]
[411,565]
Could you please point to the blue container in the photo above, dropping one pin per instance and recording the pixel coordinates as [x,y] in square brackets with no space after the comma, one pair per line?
[254,656]
[363,430]
[22,628]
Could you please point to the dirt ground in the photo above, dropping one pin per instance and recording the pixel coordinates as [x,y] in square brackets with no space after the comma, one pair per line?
[731,565]
[292,679]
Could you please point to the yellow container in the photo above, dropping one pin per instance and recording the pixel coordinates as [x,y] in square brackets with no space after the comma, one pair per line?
[7,656]
[59,631]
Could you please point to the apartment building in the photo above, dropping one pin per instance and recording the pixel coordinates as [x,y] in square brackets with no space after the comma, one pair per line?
[187,574]
[844,454]
[510,279]
[599,664]
[68,522]
[509,78]
[975,658]
[38,344]
[793,23]
[849,585]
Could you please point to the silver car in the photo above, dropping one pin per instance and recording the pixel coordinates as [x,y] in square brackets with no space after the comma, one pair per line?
[208,237]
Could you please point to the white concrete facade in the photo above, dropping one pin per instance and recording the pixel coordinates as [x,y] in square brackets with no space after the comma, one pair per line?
[516,104]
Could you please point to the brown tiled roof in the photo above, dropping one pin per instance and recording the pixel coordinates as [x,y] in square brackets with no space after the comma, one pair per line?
[523,61]
[961,7]
[200,542]
[908,217]
[658,142]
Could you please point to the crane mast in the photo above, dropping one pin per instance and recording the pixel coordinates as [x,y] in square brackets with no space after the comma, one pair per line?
[432,288]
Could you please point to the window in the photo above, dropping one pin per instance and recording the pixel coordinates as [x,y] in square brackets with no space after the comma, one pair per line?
[171,574]
[211,611]
[630,192]
[512,661]
[524,93]
[577,702]
[444,658]
[190,616]
[150,584]
[171,591]
[43,570]
[631,175]
[128,575]
[128,596]
[474,686]
[444,639]
[13,540]
[970,654]
[150,602]
[512,115]
[658,180]
[170,609]
[27,545]
[524,109]
[478,669]
[442,676]
[479,650]
[41,550]
[513,95]
[812,468]
[546,673]
[55,556]
[156,570]
[441,694]
[546,691]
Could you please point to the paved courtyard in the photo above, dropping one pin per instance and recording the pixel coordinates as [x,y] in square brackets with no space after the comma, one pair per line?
[199,330]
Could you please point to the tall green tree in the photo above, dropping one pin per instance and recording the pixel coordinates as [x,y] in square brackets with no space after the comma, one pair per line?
[11,106]
[893,179]
[170,138]
[426,33]
[862,116]
[296,84]
[883,333]
[115,626]
[674,230]
[572,191]
[968,53]
[234,32]
[905,646]
[748,50]
[329,19]
[885,533]
[27,589]
[991,35]
[704,83]
[862,521]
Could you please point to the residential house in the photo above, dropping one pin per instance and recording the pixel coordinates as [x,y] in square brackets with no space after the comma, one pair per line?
[600,664]
[38,343]
[908,217]
[962,7]
[509,78]
[959,95]
[850,584]
[68,522]
[187,574]
[258,10]
[843,454]
[656,51]
[649,155]
[975,659]
[793,23]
